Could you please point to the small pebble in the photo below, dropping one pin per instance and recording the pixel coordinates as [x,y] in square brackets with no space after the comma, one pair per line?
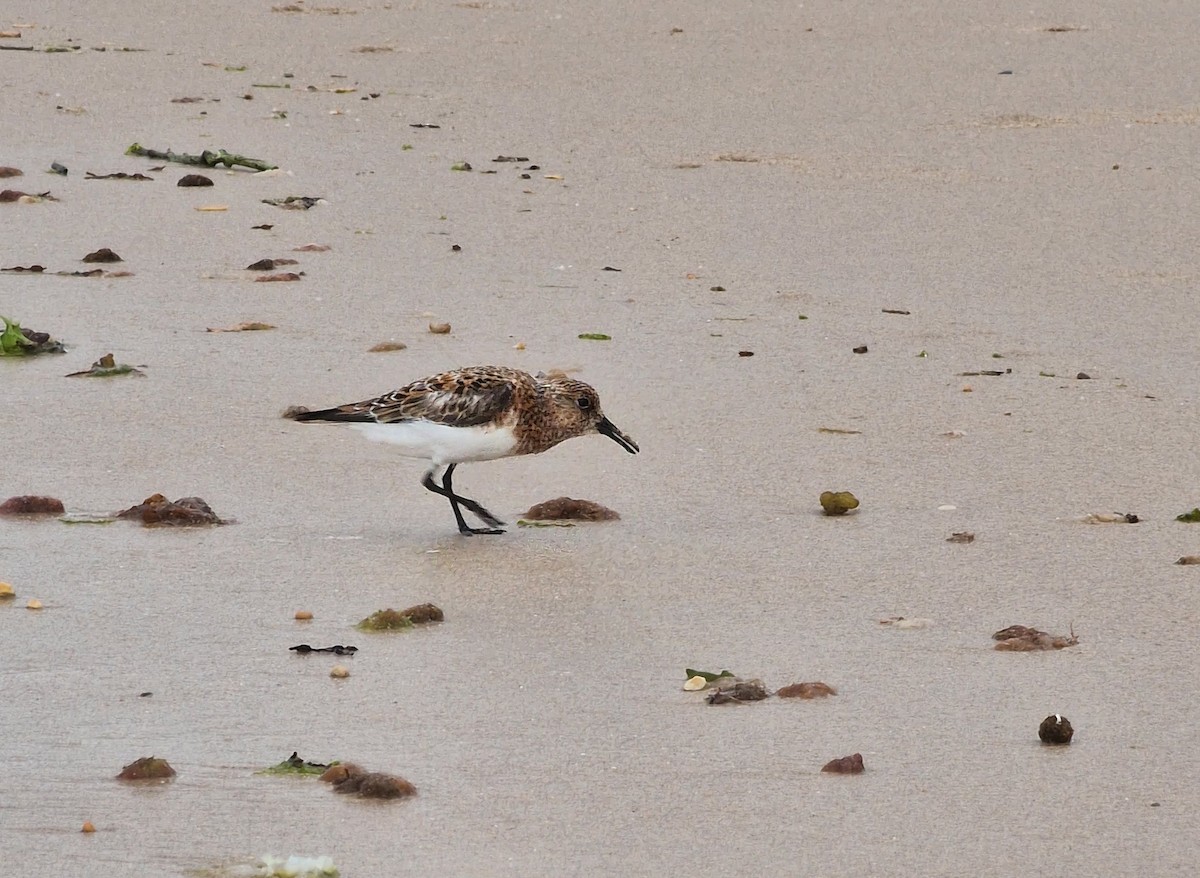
[1056,729]
[439,328]
[34,604]
[194,180]
[304,615]
[695,684]
[6,590]
[88,826]
[1186,559]
[339,672]
[852,764]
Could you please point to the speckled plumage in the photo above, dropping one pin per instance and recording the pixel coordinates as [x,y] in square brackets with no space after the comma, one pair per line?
[479,413]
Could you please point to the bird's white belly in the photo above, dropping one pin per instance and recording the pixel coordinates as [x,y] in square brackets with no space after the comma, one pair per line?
[443,444]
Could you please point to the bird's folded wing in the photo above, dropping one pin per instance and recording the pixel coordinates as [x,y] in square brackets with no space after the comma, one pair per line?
[457,399]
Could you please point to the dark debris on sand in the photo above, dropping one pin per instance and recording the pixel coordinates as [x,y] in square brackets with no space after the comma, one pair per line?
[1021,638]
[348,778]
[157,511]
[852,764]
[567,509]
[31,505]
[395,620]
[147,768]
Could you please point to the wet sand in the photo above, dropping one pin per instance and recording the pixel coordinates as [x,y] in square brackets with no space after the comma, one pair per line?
[879,160]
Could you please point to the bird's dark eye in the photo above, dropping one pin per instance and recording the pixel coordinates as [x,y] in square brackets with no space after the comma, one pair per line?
[583,402]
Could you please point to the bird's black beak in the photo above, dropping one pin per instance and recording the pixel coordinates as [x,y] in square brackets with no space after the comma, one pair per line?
[605,427]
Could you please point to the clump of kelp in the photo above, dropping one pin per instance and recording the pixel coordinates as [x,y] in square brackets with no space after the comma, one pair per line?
[16,341]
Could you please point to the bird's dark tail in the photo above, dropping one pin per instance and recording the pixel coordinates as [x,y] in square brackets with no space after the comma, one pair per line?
[335,415]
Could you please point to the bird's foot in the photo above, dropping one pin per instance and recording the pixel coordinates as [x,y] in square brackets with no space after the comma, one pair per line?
[478,531]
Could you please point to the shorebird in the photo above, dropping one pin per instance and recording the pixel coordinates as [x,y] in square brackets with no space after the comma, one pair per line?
[475,414]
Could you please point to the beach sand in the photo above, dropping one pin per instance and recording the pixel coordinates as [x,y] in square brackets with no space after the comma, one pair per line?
[743,165]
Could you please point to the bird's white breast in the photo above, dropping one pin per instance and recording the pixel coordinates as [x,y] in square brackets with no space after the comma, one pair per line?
[443,444]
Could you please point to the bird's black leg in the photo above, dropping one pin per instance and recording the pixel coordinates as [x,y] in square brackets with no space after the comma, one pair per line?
[446,490]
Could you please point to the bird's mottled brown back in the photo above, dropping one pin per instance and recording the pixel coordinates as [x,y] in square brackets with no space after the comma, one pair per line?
[459,398]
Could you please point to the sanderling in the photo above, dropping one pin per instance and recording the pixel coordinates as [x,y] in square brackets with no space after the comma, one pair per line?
[480,413]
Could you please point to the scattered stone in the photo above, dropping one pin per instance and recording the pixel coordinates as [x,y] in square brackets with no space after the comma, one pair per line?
[293,411]
[339,672]
[393,620]
[310,248]
[262,265]
[1056,729]
[33,604]
[1189,559]
[6,592]
[102,255]
[962,536]
[1020,638]
[156,511]
[567,509]
[1083,376]
[695,684]
[11,172]
[303,616]
[374,785]
[815,689]
[31,505]
[742,690]
[852,764]
[386,347]
[88,826]
[745,353]
[838,502]
[194,180]
[147,768]
[861,349]
[339,771]
[439,328]
[283,276]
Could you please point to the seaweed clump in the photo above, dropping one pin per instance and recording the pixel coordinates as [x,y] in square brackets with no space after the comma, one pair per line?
[396,620]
